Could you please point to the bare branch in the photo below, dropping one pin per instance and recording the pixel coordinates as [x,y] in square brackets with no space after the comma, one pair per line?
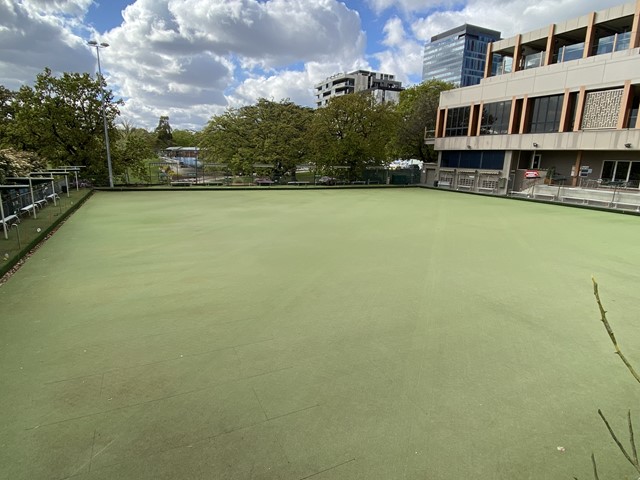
[634,450]
[615,439]
[595,467]
[607,326]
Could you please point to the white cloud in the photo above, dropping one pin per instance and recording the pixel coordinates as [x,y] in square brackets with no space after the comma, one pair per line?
[507,16]
[403,56]
[31,39]
[190,59]
[67,7]
[172,54]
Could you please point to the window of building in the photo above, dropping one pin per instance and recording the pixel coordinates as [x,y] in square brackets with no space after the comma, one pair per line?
[546,112]
[487,160]
[536,160]
[621,171]
[457,122]
[495,118]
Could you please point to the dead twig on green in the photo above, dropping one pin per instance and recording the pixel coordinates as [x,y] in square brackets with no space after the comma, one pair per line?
[607,326]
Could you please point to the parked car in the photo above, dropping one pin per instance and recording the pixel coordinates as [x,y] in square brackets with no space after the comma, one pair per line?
[325,180]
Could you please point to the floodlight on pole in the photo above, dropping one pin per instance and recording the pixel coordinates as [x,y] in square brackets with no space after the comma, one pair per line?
[98,46]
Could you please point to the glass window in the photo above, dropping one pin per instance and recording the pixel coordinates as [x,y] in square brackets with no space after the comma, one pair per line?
[545,116]
[622,171]
[457,122]
[487,160]
[634,174]
[607,170]
[495,118]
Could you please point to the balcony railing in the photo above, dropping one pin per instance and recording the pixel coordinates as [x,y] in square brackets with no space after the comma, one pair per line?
[612,43]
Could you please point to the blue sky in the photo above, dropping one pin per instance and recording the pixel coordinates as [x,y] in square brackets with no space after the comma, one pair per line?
[192,59]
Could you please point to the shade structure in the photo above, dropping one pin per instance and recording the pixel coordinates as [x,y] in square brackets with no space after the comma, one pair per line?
[8,187]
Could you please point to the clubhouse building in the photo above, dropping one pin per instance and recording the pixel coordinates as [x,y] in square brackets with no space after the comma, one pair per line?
[559,100]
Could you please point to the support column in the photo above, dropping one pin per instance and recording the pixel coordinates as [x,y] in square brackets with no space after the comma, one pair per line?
[526,106]
[564,115]
[625,105]
[579,109]
[479,122]
[488,61]
[635,28]
[590,36]
[576,168]
[443,125]
[517,54]
[548,58]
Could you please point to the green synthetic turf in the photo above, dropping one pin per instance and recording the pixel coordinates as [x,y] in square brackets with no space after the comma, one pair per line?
[332,334]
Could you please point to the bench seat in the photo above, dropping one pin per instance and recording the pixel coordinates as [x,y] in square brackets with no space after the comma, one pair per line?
[29,208]
[10,220]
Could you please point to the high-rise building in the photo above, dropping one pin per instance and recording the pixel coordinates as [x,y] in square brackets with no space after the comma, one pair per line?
[383,86]
[458,55]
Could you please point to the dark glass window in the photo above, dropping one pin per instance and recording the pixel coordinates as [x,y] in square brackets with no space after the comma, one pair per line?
[457,122]
[492,160]
[607,170]
[545,116]
[487,160]
[495,118]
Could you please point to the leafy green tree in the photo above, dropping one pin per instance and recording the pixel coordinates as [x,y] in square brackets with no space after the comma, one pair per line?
[353,131]
[133,150]
[60,118]
[185,138]
[268,132]
[417,111]
[7,112]
[164,133]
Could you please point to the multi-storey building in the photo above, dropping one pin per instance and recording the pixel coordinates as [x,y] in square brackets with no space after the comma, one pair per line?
[565,98]
[383,86]
[458,55]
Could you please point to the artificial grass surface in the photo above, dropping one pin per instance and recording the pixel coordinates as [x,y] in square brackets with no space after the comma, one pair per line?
[353,334]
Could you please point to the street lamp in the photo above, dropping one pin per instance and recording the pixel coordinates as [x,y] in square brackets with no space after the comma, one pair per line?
[98,46]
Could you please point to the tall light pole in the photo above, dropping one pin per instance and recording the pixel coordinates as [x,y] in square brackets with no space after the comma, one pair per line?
[98,46]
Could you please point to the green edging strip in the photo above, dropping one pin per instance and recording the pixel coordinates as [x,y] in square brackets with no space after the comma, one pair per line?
[12,262]
[254,188]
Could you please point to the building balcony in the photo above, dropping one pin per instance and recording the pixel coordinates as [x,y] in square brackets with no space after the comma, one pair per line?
[625,140]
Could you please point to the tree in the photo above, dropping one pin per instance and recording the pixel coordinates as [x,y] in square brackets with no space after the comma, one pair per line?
[14,163]
[60,118]
[353,131]
[268,132]
[7,112]
[133,147]
[417,112]
[185,138]
[164,134]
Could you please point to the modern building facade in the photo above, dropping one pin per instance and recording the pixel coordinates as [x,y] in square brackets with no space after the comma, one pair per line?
[383,86]
[565,99]
[458,55]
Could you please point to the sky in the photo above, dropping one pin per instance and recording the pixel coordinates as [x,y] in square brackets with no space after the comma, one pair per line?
[193,59]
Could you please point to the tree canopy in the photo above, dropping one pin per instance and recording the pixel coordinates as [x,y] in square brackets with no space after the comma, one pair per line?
[417,112]
[164,133]
[60,119]
[353,131]
[267,132]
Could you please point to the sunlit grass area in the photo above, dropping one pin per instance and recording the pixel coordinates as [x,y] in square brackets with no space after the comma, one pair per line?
[326,334]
